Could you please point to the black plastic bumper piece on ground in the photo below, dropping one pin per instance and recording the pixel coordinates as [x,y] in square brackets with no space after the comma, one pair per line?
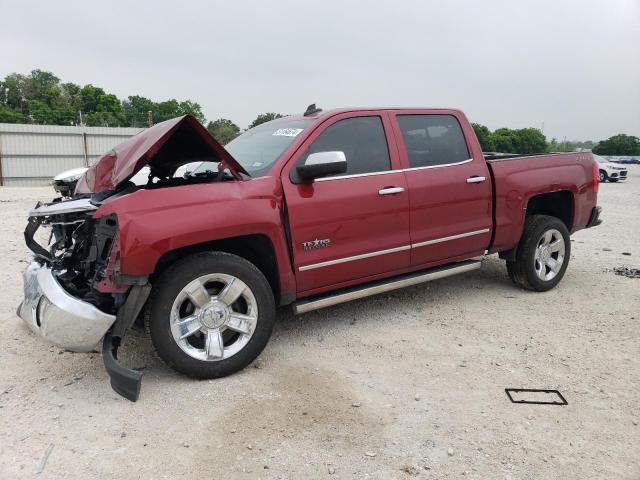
[594,218]
[123,381]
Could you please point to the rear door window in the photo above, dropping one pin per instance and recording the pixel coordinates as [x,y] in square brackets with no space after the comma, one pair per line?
[433,140]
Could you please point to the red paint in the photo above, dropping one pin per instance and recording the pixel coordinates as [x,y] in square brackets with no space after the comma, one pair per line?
[436,203]
[122,162]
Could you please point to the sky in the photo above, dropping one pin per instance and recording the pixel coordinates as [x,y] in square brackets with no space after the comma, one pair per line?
[570,67]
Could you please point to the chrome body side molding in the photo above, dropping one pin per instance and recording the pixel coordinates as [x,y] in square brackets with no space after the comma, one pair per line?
[391,250]
[355,257]
[452,237]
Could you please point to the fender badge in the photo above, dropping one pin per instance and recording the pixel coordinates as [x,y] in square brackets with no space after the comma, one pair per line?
[326,242]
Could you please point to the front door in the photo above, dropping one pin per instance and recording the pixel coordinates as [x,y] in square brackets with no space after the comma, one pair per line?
[449,189]
[354,225]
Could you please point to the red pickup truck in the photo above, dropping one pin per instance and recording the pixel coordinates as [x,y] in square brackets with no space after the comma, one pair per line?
[307,211]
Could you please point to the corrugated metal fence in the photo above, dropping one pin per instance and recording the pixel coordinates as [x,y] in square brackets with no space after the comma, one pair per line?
[30,155]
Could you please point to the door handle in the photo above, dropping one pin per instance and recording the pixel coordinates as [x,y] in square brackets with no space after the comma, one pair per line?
[476,179]
[390,190]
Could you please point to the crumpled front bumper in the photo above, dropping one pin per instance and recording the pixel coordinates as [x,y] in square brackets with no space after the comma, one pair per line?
[58,317]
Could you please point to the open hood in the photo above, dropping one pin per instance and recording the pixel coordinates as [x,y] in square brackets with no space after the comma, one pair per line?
[163,147]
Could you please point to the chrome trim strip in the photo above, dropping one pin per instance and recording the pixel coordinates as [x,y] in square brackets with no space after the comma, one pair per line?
[438,166]
[355,257]
[356,175]
[452,237]
[406,281]
[386,172]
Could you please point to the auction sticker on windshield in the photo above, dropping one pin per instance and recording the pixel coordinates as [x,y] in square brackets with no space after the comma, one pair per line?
[287,132]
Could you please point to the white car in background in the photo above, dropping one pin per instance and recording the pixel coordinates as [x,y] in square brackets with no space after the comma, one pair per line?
[610,171]
[65,182]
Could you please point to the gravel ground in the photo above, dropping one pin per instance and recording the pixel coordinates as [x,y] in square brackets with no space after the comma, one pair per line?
[403,385]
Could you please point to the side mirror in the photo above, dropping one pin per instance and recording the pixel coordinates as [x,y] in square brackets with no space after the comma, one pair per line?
[321,164]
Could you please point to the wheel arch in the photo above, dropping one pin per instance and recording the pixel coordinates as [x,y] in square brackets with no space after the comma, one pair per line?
[255,248]
[559,204]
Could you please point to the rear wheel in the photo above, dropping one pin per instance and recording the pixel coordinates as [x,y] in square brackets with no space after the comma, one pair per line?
[211,315]
[543,254]
[602,176]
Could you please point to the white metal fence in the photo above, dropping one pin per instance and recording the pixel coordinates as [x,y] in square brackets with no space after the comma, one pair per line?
[30,155]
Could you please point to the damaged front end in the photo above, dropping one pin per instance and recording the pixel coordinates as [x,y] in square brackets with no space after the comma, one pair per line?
[74,295]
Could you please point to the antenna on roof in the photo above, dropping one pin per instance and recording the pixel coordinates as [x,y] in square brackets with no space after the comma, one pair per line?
[311,109]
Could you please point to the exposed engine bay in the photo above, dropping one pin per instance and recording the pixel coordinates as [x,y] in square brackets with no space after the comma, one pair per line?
[78,249]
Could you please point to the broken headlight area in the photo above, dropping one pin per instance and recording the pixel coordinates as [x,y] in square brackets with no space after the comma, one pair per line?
[78,250]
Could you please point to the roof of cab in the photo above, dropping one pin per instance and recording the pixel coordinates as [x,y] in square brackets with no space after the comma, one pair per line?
[323,114]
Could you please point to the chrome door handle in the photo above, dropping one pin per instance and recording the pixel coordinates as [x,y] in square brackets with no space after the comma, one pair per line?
[390,190]
[476,179]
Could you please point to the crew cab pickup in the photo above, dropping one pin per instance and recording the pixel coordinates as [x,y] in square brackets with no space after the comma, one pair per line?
[306,211]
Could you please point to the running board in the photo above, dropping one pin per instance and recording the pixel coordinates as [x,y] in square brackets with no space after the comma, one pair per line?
[353,293]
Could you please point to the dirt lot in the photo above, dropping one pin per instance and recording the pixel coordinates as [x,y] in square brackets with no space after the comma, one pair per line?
[403,385]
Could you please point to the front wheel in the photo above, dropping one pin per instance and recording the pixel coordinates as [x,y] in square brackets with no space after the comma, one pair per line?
[602,176]
[543,254]
[211,314]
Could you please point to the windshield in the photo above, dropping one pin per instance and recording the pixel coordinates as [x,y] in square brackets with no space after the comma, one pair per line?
[258,149]
[600,159]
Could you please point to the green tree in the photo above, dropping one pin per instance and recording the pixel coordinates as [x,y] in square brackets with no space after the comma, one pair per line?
[588,144]
[136,109]
[564,146]
[484,137]
[505,140]
[173,108]
[8,115]
[223,130]
[620,144]
[192,108]
[40,98]
[13,93]
[530,140]
[265,117]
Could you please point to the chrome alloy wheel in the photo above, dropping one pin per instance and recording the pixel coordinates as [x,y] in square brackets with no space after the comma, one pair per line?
[213,317]
[549,255]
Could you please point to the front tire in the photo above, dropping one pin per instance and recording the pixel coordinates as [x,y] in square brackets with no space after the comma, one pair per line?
[542,255]
[211,314]
[602,176]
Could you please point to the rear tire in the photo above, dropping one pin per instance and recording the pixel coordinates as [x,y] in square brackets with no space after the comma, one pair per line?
[211,314]
[542,255]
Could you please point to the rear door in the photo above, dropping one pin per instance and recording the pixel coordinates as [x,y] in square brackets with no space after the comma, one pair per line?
[355,225]
[449,187]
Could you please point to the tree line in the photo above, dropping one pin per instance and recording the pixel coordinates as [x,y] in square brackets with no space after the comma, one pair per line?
[532,140]
[41,98]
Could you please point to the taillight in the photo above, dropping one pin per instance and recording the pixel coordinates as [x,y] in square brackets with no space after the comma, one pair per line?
[596,177]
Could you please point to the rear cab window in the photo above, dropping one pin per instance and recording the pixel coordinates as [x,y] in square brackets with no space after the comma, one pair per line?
[433,140]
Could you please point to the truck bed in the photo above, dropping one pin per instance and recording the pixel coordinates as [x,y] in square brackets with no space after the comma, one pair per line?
[516,182]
